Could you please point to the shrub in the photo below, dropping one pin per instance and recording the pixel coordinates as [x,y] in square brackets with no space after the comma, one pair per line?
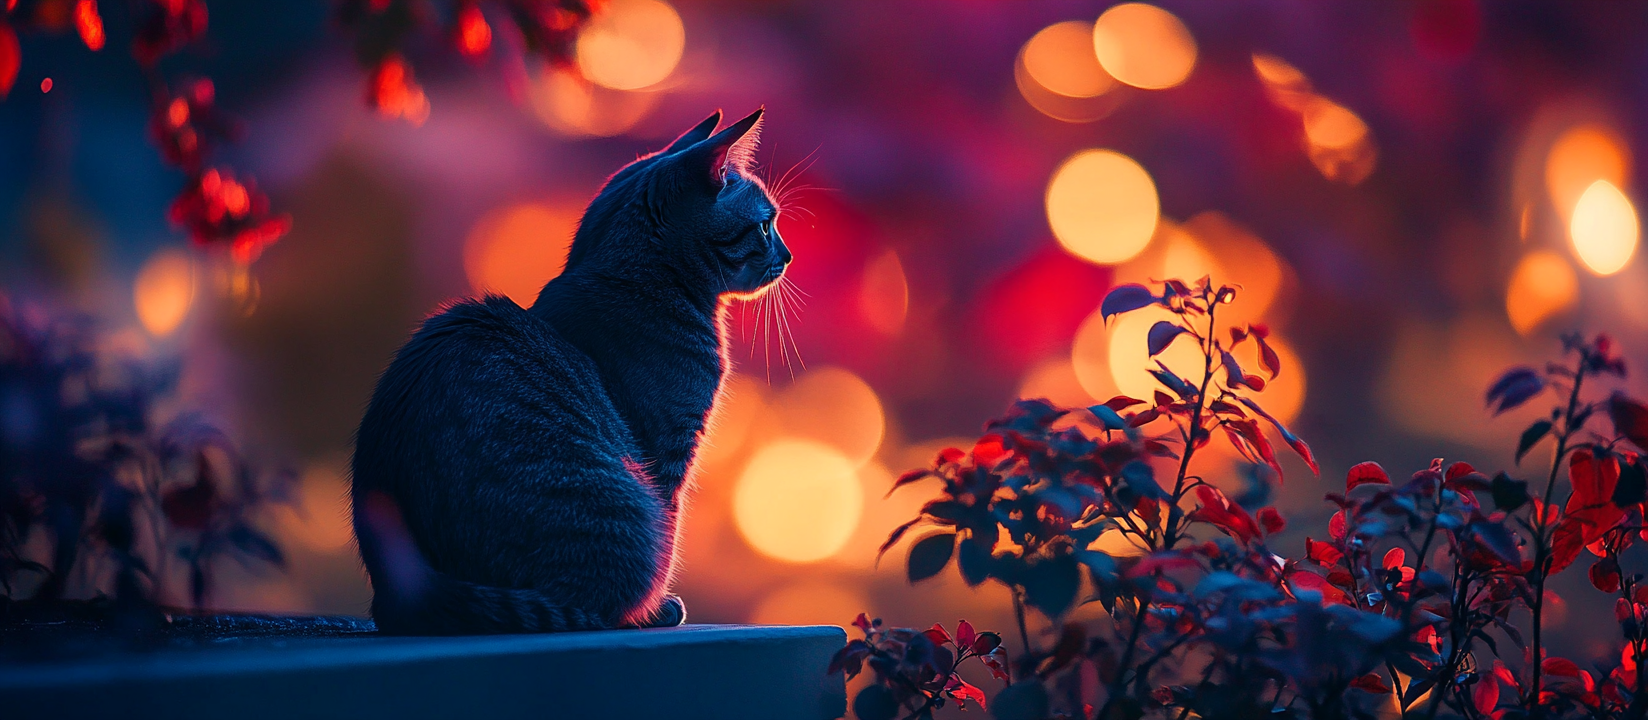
[98,500]
[1406,602]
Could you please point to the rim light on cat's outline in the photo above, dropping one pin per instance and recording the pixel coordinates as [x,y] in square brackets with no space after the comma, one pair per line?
[525,470]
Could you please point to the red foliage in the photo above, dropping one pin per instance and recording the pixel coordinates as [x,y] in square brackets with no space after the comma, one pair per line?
[1417,579]
[1218,511]
[89,23]
[1364,473]
[395,93]
[10,58]
[167,26]
[220,210]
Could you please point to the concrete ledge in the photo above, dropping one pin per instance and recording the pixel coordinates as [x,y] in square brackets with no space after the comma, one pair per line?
[697,671]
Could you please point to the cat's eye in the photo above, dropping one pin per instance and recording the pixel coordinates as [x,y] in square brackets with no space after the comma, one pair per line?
[767,229]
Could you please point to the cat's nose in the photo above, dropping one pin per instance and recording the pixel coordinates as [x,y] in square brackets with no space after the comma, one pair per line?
[784,256]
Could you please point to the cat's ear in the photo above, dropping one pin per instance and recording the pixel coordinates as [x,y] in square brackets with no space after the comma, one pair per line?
[696,135]
[732,148]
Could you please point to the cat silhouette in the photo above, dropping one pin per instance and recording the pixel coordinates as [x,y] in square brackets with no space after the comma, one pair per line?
[522,470]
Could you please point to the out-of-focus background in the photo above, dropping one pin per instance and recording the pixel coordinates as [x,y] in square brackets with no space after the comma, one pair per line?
[1412,195]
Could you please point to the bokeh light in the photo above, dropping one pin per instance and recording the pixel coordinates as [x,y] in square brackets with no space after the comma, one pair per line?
[1331,125]
[1581,156]
[1144,46]
[514,250]
[1336,140]
[1604,228]
[1129,359]
[1243,259]
[1090,358]
[1543,286]
[1060,58]
[1055,379]
[164,291]
[1286,85]
[1102,206]
[885,294]
[833,406]
[319,519]
[631,44]
[1338,143]
[798,500]
[571,105]
[741,404]
[1183,256]
[809,602]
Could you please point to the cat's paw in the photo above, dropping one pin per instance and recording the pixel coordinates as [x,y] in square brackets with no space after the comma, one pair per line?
[671,613]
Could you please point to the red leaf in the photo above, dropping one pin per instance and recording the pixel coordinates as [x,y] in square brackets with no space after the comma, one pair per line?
[474,36]
[1505,676]
[996,660]
[1605,575]
[1371,682]
[989,451]
[11,58]
[1336,526]
[1249,431]
[949,456]
[1267,356]
[893,537]
[862,622]
[1590,504]
[964,692]
[937,634]
[1331,595]
[1485,696]
[1630,417]
[1458,470]
[1322,553]
[1122,402]
[1593,482]
[1305,454]
[89,23]
[1364,473]
[1393,558]
[1293,441]
[1561,667]
[1150,510]
[1219,512]
[965,635]
[1565,543]
[1271,520]
[907,478]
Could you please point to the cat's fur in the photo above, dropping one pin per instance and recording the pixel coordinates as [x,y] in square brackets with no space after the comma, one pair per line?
[523,470]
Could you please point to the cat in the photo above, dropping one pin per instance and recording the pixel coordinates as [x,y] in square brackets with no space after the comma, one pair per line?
[523,470]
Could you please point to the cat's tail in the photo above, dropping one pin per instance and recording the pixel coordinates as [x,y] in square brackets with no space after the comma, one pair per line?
[412,598]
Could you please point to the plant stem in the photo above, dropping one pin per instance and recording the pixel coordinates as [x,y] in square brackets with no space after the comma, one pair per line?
[1542,550]
[1120,682]
[1171,531]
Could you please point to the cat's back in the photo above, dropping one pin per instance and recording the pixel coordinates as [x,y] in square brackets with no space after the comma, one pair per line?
[483,379]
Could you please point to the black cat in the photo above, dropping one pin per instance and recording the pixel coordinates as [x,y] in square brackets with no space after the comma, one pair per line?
[523,470]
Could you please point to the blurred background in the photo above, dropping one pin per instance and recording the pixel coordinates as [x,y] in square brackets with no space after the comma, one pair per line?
[1412,194]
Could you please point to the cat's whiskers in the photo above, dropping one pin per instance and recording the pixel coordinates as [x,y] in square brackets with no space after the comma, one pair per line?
[786,292]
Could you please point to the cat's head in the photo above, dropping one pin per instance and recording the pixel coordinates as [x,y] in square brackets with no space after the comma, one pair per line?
[693,209]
